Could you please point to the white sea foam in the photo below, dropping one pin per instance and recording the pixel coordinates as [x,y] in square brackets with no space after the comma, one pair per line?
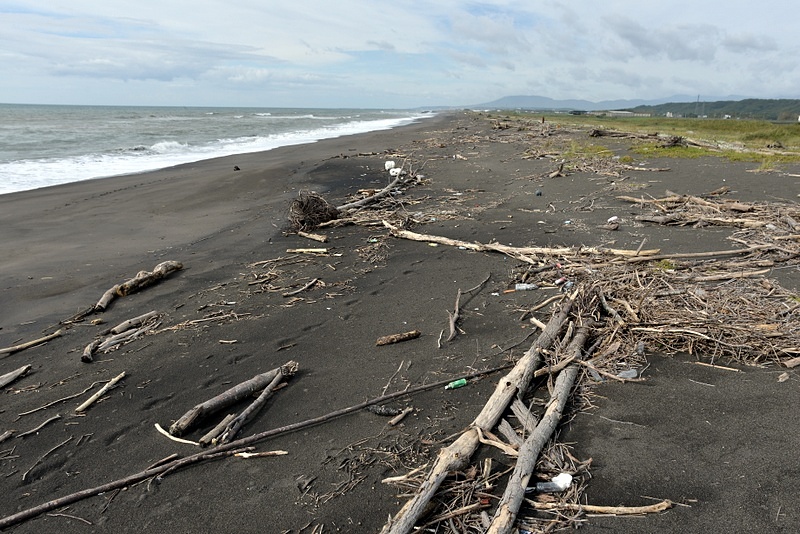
[185,139]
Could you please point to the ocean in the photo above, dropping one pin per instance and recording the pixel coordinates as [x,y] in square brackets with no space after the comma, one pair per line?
[44,145]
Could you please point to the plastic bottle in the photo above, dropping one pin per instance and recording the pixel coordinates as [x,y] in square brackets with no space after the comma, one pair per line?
[461,382]
[525,287]
[559,483]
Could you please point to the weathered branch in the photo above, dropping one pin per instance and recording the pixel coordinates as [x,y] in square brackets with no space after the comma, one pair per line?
[23,346]
[8,378]
[226,398]
[509,505]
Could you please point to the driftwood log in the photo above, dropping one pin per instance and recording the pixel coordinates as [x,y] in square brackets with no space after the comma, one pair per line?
[142,280]
[458,453]
[512,499]
[230,397]
[8,378]
[397,338]
[233,428]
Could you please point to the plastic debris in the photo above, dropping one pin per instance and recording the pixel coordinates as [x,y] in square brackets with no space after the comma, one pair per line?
[628,373]
[557,484]
[455,384]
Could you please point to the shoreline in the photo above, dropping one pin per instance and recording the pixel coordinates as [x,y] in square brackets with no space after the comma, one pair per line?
[230,314]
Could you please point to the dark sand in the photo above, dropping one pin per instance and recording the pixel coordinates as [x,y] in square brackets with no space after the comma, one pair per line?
[722,443]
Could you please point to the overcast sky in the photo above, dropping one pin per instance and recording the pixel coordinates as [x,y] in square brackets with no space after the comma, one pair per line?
[392,53]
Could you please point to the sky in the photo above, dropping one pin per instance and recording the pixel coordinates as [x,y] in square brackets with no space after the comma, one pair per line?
[393,54]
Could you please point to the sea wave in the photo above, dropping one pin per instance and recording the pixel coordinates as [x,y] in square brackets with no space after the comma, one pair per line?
[25,174]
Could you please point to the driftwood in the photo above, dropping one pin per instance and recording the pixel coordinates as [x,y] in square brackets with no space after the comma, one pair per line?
[88,352]
[594,509]
[458,453]
[228,398]
[23,346]
[102,391]
[397,338]
[211,436]
[521,253]
[142,280]
[8,378]
[455,315]
[373,198]
[217,452]
[512,499]
[314,237]
[236,424]
[132,323]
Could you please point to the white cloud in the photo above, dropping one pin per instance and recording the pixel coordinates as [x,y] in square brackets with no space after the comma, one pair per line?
[399,54]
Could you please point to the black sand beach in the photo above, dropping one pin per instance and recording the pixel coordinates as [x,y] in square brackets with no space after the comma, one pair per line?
[717,442]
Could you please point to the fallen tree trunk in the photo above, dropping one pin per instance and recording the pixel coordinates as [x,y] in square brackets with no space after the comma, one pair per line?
[512,499]
[459,452]
[228,398]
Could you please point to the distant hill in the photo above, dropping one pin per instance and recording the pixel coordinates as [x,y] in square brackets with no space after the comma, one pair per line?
[543,103]
[677,105]
[750,108]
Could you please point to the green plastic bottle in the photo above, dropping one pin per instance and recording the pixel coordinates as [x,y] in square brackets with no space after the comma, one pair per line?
[461,382]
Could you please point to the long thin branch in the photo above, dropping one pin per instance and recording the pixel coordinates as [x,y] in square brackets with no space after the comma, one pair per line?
[23,346]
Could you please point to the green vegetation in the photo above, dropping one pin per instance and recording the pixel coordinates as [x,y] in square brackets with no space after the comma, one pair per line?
[742,140]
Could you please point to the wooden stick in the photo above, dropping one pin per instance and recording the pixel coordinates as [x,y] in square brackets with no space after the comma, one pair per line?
[307,250]
[508,507]
[41,426]
[296,291]
[263,454]
[131,323]
[163,432]
[397,338]
[8,378]
[239,421]
[373,198]
[216,452]
[23,346]
[6,435]
[459,452]
[520,253]
[211,436]
[394,421]
[226,398]
[41,458]
[729,276]
[595,509]
[102,391]
[315,237]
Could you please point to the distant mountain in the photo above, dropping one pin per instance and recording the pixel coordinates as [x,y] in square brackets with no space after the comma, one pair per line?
[543,103]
